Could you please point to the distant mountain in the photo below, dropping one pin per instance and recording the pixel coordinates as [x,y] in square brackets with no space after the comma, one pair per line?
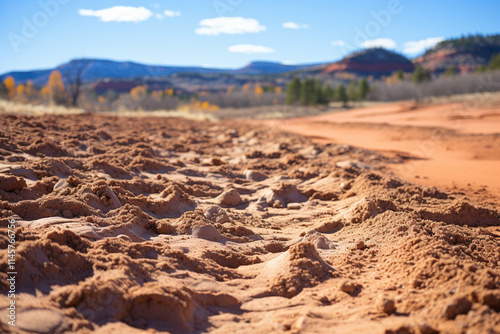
[266,67]
[465,53]
[100,69]
[373,61]
[23,76]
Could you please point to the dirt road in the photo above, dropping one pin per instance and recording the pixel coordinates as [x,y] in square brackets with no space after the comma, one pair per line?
[452,146]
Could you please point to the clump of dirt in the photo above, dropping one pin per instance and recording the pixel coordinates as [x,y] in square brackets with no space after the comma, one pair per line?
[365,208]
[230,259]
[190,220]
[11,183]
[45,263]
[461,213]
[150,301]
[150,165]
[299,267]
[53,207]
[113,170]
[216,214]
[172,200]
[46,147]
[286,193]
[128,213]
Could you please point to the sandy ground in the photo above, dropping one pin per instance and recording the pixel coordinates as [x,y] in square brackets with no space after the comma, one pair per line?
[454,146]
[126,225]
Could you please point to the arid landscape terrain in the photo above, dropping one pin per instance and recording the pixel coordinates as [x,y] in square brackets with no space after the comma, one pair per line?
[376,220]
[250,167]
[451,143]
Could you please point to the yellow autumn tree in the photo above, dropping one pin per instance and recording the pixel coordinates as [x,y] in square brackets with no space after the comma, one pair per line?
[29,90]
[258,91]
[278,89]
[45,91]
[55,88]
[157,95]
[21,93]
[10,85]
[138,93]
[205,106]
[21,90]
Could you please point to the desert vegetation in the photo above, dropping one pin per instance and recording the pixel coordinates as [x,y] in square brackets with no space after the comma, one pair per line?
[445,85]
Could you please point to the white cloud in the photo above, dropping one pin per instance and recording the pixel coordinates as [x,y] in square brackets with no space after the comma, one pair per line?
[338,43]
[249,48]
[159,16]
[379,43]
[293,25]
[288,62]
[171,13]
[229,25]
[421,45]
[119,14]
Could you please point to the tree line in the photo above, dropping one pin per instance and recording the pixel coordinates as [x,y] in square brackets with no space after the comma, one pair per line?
[310,92]
[59,89]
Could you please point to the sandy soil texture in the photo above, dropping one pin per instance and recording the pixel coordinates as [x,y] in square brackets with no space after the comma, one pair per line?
[183,226]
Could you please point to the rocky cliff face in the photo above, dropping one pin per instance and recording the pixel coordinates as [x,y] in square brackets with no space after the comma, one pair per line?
[466,54]
[375,61]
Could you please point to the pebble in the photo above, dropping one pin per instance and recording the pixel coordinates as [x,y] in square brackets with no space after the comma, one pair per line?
[254,176]
[39,320]
[207,232]
[345,185]
[216,214]
[294,206]
[230,197]
[385,305]
[348,286]
[62,183]
[114,198]
[360,244]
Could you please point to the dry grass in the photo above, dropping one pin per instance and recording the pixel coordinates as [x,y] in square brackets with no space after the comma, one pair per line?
[484,99]
[11,107]
[161,113]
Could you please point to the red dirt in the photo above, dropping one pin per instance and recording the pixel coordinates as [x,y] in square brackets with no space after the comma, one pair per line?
[451,146]
[126,225]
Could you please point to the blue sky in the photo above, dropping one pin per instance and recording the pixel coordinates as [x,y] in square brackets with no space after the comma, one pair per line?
[228,33]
